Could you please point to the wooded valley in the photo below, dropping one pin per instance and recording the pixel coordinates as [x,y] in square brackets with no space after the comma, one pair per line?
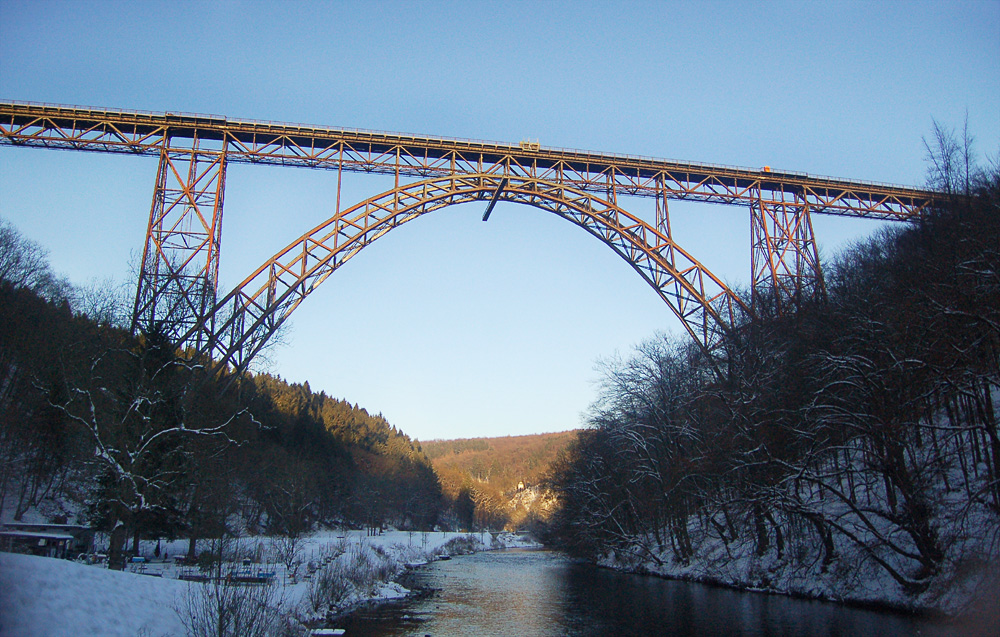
[849,450]
[127,434]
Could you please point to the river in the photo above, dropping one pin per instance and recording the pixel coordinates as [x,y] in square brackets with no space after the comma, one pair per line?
[536,592]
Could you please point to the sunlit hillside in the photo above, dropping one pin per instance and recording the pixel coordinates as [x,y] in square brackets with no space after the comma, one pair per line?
[495,481]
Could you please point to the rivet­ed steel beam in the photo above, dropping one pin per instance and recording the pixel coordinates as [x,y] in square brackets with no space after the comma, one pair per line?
[179,271]
[784,259]
[413,156]
[251,313]
[493,201]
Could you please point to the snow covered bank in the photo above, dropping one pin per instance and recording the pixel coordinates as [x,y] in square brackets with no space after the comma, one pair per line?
[965,581]
[359,569]
[43,596]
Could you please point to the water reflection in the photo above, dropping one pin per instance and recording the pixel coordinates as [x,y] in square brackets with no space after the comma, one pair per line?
[542,593]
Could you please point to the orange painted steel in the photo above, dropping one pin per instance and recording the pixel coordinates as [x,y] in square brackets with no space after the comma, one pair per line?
[180,263]
[179,272]
[254,310]
[253,142]
[784,258]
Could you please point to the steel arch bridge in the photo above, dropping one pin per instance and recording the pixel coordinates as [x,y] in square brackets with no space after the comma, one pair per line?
[179,273]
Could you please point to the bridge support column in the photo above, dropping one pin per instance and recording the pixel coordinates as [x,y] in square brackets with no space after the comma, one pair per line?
[662,210]
[784,259]
[178,277]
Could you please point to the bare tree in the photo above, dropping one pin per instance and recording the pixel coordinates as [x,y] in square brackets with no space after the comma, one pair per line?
[951,160]
[223,607]
[22,261]
[24,264]
[104,302]
[141,405]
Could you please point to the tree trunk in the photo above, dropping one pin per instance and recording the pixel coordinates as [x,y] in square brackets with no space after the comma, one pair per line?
[761,529]
[990,420]
[779,538]
[116,550]
[826,537]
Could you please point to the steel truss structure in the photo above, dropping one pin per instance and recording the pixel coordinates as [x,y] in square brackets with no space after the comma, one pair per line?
[783,250]
[179,271]
[254,309]
[178,280]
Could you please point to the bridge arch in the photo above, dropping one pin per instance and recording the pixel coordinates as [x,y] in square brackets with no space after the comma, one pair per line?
[241,323]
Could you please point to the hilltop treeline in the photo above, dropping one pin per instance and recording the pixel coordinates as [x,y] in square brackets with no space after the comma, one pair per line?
[388,478]
[131,431]
[849,450]
[492,482]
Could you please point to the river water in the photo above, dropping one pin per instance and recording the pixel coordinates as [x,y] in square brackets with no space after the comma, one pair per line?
[533,592]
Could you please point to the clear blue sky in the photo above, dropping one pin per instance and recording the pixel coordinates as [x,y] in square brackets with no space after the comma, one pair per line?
[448,326]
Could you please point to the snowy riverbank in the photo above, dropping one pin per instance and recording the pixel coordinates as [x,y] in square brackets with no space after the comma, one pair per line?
[44,596]
[966,586]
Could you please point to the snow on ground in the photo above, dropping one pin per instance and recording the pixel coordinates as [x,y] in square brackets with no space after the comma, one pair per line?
[45,596]
[42,596]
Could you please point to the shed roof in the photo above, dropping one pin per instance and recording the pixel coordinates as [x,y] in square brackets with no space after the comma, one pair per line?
[37,535]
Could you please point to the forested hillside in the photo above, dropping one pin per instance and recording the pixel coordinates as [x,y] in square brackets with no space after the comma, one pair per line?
[497,482]
[849,450]
[127,434]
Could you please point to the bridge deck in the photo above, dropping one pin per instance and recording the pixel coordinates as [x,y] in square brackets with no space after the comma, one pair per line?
[247,141]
